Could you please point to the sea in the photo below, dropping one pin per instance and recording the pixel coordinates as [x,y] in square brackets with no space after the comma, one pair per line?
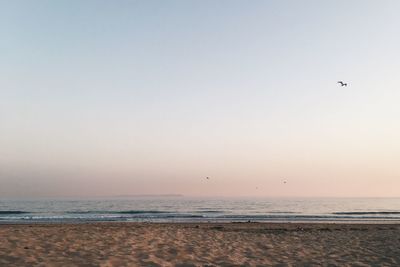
[190,209]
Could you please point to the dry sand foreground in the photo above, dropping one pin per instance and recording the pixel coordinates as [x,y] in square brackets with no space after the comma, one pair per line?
[235,244]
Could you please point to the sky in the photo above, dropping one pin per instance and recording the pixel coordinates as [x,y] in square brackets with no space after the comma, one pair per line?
[102,98]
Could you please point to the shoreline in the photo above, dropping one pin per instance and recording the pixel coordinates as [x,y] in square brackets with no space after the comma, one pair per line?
[199,244]
[68,222]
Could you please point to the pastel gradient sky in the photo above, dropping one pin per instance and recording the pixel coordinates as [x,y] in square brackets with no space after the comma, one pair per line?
[150,97]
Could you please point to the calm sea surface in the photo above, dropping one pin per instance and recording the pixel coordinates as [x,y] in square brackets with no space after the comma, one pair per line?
[185,209]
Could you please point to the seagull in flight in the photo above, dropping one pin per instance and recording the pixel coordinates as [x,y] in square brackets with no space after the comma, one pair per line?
[342,83]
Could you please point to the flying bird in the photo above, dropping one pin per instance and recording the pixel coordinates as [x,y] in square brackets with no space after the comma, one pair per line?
[342,83]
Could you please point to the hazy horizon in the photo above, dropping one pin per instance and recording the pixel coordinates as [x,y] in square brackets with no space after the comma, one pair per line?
[151,97]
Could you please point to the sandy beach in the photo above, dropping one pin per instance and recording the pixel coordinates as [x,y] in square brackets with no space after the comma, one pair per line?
[203,244]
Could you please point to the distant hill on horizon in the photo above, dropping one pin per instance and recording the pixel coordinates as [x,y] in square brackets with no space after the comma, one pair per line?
[150,195]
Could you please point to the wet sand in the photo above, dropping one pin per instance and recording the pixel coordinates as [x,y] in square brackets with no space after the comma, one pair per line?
[203,244]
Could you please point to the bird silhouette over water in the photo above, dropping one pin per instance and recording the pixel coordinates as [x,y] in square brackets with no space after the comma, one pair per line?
[342,83]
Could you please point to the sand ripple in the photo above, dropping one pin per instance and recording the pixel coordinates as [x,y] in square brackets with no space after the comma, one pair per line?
[240,244]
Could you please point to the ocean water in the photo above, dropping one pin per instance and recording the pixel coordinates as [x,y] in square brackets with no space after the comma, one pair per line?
[186,209]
